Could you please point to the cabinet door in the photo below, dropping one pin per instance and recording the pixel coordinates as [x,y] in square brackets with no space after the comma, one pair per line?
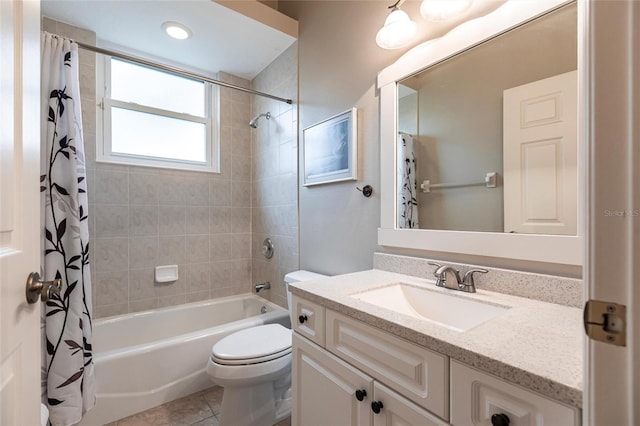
[399,411]
[324,389]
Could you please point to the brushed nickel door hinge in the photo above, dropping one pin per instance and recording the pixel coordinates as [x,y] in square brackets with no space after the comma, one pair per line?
[606,322]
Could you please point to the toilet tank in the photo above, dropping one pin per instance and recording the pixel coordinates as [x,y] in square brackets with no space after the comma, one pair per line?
[296,277]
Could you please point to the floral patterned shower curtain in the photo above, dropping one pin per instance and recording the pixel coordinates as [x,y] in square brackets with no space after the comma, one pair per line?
[67,362]
[407,185]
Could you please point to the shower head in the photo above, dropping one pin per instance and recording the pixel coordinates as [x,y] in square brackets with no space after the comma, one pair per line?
[254,123]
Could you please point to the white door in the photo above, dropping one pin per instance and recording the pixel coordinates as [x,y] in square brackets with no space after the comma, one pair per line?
[19,210]
[324,390]
[612,270]
[540,141]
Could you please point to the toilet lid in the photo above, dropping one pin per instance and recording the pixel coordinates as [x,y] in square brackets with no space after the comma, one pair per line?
[254,344]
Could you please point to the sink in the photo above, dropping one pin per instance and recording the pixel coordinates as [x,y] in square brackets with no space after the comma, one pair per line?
[452,311]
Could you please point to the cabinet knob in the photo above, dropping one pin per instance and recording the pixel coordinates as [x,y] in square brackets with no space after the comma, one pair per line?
[376,406]
[302,319]
[500,419]
[361,394]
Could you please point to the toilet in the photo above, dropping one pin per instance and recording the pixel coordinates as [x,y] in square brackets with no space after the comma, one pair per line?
[254,367]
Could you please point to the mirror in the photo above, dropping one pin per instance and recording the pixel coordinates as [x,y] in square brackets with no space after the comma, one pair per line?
[488,137]
[425,80]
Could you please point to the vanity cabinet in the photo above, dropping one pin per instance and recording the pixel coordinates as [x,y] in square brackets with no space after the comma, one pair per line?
[347,372]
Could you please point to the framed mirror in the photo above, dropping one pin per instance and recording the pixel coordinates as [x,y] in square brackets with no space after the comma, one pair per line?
[480,138]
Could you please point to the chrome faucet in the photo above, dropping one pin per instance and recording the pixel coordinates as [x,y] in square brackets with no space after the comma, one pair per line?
[263,286]
[465,284]
[441,274]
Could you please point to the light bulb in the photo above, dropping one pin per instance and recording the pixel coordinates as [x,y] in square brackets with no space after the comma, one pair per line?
[176,30]
[397,32]
[441,10]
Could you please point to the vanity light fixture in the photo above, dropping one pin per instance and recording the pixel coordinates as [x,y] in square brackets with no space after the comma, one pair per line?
[398,29]
[441,10]
[176,30]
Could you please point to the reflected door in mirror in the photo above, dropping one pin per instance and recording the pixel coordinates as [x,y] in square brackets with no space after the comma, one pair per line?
[540,156]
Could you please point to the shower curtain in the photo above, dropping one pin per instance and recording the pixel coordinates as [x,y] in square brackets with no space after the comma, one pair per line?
[68,378]
[407,188]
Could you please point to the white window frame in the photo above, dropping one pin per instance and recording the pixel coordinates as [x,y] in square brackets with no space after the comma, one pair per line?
[104,153]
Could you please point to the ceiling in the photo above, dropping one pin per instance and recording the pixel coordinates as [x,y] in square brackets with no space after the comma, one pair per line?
[222,40]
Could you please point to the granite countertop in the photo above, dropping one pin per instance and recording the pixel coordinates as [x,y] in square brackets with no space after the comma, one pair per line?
[534,344]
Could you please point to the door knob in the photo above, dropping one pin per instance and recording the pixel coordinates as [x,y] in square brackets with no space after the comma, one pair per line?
[361,394]
[37,287]
[500,419]
[376,406]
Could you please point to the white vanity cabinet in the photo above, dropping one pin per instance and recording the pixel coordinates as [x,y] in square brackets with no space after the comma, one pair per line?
[347,372]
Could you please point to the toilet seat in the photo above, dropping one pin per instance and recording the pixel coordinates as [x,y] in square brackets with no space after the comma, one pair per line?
[253,345]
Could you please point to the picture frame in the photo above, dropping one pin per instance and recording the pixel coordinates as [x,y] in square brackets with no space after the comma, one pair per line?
[330,149]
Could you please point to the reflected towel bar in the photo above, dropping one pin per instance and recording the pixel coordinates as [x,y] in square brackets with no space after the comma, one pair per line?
[489,180]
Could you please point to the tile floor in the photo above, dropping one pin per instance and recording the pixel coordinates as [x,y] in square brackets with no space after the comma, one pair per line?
[199,409]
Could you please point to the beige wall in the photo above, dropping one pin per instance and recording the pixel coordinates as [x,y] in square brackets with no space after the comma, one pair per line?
[275,171]
[338,62]
[142,217]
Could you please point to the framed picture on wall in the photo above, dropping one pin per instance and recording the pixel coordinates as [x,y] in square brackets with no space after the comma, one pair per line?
[330,149]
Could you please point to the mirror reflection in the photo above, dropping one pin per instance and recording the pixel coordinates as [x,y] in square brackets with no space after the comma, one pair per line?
[488,138]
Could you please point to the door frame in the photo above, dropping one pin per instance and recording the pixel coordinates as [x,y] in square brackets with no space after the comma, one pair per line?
[612,239]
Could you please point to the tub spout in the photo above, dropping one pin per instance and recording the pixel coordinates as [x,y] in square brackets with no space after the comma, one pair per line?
[263,286]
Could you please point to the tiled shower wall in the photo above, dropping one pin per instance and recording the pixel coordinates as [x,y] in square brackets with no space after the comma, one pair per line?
[144,217]
[275,171]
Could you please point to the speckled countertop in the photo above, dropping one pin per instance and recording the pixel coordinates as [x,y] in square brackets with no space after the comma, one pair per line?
[534,344]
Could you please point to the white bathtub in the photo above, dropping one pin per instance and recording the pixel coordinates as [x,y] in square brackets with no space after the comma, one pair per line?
[148,358]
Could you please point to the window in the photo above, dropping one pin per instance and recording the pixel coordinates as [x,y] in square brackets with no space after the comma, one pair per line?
[149,117]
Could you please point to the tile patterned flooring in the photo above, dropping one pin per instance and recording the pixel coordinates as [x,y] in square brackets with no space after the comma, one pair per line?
[199,409]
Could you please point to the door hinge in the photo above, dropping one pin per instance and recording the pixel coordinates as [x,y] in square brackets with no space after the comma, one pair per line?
[606,322]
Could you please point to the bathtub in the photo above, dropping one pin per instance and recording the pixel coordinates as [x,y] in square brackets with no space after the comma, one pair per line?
[148,358]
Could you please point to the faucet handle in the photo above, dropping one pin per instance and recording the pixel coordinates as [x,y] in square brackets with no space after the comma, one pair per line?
[468,276]
[437,265]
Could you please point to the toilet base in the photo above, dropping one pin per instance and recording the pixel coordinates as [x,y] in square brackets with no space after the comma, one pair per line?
[263,404]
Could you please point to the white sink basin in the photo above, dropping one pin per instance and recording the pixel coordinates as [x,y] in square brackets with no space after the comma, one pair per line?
[452,311]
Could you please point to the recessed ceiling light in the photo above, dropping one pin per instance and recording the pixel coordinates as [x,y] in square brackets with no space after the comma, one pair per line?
[176,30]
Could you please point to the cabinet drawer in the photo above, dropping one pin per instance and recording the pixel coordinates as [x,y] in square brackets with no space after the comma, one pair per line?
[308,319]
[415,372]
[476,396]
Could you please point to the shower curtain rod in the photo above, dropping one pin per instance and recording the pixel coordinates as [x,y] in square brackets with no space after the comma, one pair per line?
[174,70]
